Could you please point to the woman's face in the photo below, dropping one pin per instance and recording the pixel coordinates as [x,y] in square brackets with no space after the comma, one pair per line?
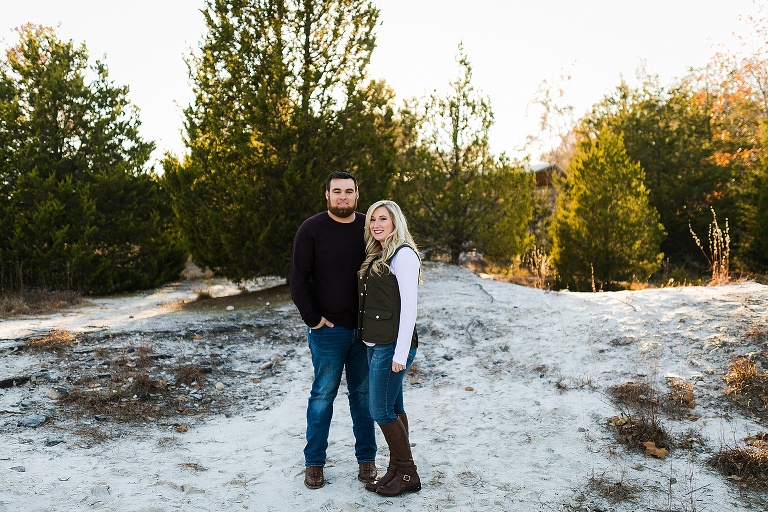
[381,223]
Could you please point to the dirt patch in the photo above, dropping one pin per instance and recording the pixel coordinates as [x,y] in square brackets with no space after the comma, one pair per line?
[102,384]
[274,296]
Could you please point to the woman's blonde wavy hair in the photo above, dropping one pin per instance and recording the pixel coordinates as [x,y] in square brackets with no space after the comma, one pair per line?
[376,255]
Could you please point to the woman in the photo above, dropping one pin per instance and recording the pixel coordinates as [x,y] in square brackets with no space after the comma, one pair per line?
[388,283]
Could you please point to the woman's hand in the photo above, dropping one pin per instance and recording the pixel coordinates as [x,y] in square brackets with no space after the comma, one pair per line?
[396,367]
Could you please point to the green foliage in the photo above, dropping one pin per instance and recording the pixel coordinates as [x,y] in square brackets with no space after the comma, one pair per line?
[733,92]
[604,230]
[281,100]
[759,246]
[457,196]
[78,211]
[668,132]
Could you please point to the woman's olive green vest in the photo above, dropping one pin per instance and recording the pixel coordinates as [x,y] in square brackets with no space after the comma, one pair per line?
[378,317]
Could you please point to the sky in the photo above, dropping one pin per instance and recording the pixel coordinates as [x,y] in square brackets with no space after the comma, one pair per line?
[512,45]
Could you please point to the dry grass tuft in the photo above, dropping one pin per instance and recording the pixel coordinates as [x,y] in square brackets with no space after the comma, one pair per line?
[637,431]
[689,439]
[680,400]
[639,422]
[747,466]
[51,341]
[636,396]
[194,466]
[616,491]
[756,334]
[415,374]
[168,442]
[189,374]
[137,387]
[141,386]
[96,435]
[95,402]
[203,294]
[747,385]
[37,302]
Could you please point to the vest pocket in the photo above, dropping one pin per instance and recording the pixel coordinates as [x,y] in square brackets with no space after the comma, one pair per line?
[378,326]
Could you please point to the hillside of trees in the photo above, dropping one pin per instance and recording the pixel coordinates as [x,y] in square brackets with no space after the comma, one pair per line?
[661,182]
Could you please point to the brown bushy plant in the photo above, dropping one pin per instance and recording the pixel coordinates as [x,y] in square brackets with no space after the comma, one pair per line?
[51,341]
[680,400]
[746,465]
[639,422]
[37,302]
[135,389]
[188,374]
[747,385]
[617,491]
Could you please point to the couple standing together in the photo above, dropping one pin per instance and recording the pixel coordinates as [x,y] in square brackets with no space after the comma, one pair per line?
[354,280]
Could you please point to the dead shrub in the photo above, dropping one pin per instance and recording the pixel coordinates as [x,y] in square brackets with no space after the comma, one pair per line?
[616,491]
[639,423]
[680,400]
[746,466]
[689,439]
[194,466]
[96,435]
[636,397]
[37,302]
[756,334]
[168,442]
[144,357]
[141,386]
[51,341]
[416,375]
[747,385]
[642,434]
[95,402]
[189,374]
[203,294]
[137,387]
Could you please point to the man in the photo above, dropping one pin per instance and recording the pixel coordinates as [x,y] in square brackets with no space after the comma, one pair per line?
[327,253]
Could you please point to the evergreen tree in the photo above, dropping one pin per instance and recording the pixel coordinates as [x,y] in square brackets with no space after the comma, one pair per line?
[667,131]
[605,232]
[457,196]
[281,100]
[79,211]
[759,235]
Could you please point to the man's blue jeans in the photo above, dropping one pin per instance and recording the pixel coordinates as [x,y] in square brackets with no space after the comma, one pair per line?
[335,349]
[386,386]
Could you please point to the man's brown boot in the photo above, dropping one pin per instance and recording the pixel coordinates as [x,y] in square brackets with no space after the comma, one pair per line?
[367,472]
[390,474]
[406,479]
[313,477]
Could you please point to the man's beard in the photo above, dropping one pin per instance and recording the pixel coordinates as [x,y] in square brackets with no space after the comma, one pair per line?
[342,211]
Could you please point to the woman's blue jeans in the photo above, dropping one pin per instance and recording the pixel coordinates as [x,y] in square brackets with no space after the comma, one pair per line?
[386,386]
[333,350]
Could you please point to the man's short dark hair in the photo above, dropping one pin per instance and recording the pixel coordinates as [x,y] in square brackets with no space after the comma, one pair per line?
[339,175]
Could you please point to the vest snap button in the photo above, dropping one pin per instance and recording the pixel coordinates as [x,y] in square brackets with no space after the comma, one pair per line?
[377,317]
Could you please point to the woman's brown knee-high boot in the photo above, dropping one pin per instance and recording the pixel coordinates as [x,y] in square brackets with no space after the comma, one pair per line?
[406,478]
[390,474]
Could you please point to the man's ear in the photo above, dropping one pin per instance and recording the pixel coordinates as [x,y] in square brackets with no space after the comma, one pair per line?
[326,194]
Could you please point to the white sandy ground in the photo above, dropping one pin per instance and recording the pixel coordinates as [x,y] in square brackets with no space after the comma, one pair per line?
[513,442]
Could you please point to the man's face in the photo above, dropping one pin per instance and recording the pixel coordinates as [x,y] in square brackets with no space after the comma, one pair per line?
[342,197]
